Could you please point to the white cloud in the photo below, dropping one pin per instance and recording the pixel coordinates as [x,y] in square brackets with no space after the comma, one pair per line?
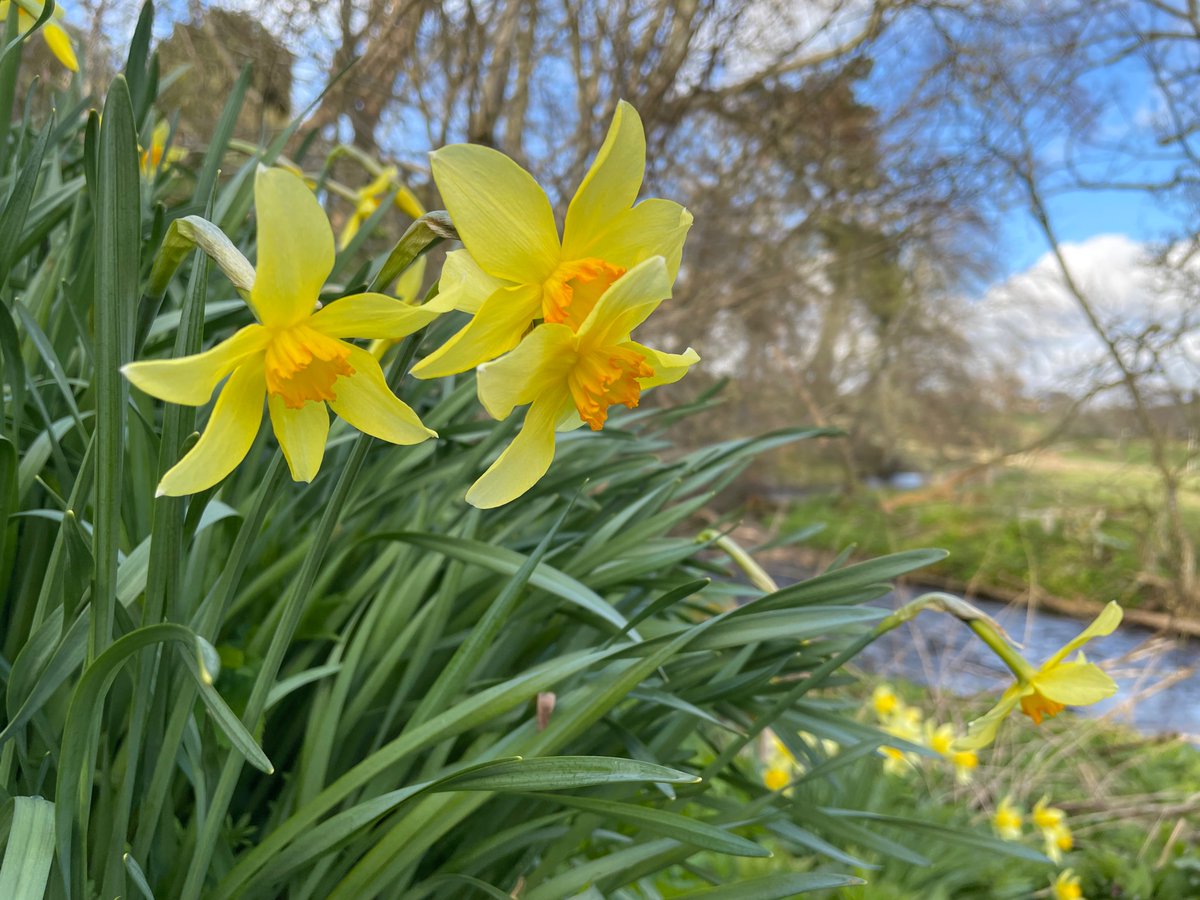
[1032,325]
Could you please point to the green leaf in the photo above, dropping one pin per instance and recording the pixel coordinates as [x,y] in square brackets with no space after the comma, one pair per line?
[557,773]
[779,886]
[831,585]
[508,562]
[16,207]
[118,241]
[29,851]
[80,734]
[666,824]
[960,836]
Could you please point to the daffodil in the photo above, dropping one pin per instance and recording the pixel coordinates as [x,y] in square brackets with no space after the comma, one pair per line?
[367,200]
[965,763]
[1066,886]
[157,153]
[515,270]
[55,36]
[1008,821]
[884,700]
[1045,692]
[780,766]
[296,357]
[570,376]
[1052,823]
[904,722]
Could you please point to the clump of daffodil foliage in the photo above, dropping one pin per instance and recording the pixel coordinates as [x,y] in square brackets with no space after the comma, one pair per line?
[424,636]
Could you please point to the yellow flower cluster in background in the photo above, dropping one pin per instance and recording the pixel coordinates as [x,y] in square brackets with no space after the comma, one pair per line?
[1050,825]
[908,723]
[780,768]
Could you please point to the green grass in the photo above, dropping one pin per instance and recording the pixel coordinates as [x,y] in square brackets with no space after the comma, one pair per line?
[1077,525]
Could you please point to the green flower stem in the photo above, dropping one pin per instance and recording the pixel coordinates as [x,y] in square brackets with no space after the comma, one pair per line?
[757,574]
[211,821]
[1003,649]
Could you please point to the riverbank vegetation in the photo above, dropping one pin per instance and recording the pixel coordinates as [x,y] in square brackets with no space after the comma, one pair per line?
[1073,521]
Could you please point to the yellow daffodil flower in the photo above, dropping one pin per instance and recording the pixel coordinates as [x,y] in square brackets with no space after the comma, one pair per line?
[296,358]
[1045,692]
[570,376]
[904,722]
[965,763]
[1008,821]
[515,270]
[884,700]
[156,154]
[1052,822]
[780,767]
[940,738]
[55,36]
[1066,886]
[367,200]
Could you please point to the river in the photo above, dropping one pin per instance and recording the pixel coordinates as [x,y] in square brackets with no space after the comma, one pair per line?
[1159,677]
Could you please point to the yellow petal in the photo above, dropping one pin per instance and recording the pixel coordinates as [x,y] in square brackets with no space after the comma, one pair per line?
[540,362]
[499,211]
[408,285]
[525,460]
[59,43]
[350,229]
[463,285]
[158,137]
[301,434]
[371,316]
[190,380]
[652,228]
[610,186]
[406,201]
[227,437]
[982,731]
[1105,624]
[379,186]
[498,327]
[1074,684]
[627,303]
[668,367]
[366,402]
[295,248]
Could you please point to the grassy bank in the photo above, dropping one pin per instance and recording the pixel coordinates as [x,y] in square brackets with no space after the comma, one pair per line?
[1078,523]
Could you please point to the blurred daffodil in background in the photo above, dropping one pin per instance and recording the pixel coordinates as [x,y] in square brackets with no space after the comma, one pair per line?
[296,357]
[1044,692]
[367,200]
[1052,823]
[779,766]
[515,270]
[569,376]
[55,36]
[1008,821]
[1066,886]
[157,154]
